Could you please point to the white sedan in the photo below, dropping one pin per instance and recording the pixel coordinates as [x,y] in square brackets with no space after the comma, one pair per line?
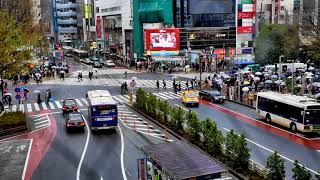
[109,63]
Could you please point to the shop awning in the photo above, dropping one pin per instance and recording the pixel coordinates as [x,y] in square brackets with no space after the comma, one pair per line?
[183,161]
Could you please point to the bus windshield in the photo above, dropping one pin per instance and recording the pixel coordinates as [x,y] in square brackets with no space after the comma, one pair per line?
[104,110]
[312,117]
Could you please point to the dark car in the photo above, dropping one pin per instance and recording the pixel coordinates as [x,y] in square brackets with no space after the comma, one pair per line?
[97,64]
[69,105]
[212,96]
[75,121]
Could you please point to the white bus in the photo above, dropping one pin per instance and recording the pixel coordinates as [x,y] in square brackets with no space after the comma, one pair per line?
[298,113]
[79,54]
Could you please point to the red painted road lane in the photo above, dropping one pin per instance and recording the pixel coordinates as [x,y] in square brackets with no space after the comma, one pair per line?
[310,143]
[42,140]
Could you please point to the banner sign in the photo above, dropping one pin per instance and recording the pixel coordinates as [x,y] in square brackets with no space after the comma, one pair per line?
[142,169]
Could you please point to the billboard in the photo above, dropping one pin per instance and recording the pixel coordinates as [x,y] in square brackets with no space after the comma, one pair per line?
[162,39]
[210,6]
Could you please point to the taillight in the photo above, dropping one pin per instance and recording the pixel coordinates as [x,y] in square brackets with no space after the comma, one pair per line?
[81,123]
[69,124]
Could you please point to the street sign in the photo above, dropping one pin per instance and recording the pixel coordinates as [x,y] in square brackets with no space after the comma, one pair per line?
[133,84]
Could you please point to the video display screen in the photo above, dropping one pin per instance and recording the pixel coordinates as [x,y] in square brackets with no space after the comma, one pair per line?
[162,39]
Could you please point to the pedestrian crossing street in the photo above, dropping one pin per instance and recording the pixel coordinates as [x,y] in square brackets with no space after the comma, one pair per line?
[104,71]
[143,83]
[192,75]
[134,122]
[82,102]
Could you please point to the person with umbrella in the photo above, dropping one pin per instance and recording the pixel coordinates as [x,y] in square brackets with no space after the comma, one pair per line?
[164,84]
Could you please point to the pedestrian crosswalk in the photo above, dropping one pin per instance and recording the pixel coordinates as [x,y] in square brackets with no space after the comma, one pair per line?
[134,122]
[143,83]
[40,121]
[105,71]
[83,102]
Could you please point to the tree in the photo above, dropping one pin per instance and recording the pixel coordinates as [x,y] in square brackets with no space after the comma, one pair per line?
[313,51]
[275,40]
[231,139]
[275,167]
[213,138]
[152,104]
[164,108]
[177,118]
[242,153]
[193,126]
[141,98]
[300,172]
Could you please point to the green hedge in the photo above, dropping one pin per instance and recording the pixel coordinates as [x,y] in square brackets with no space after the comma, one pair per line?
[231,150]
[12,119]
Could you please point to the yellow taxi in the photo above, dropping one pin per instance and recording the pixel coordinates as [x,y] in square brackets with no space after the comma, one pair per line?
[190,98]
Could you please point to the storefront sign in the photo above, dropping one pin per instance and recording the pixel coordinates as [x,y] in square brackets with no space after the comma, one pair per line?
[245,30]
[245,15]
[98,27]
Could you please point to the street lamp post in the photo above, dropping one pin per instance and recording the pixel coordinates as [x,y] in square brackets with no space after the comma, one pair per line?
[279,71]
[292,80]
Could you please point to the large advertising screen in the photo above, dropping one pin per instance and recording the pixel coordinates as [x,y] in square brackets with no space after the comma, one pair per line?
[162,39]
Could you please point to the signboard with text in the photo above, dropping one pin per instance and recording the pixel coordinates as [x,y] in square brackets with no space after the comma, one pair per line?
[162,39]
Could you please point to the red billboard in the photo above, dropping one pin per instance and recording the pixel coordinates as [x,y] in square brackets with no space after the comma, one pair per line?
[245,15]
[245,30]
[162,39]
[98,27]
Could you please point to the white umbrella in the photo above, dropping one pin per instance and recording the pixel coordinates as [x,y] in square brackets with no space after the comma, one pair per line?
[258,73]
[317,95]
[251,75]
[298,78]
[245,89]
[274,76]
[298,85]
[174,77]
[266,74]
[36,91]
[311,68]
[278,82]
[134,78]
[283,84]
[7,94]
[268,82]
[38,74]
[256,79]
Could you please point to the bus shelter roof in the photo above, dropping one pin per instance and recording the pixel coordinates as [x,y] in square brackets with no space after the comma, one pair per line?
[183,161]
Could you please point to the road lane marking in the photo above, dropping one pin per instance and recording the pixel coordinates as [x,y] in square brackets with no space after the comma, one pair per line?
[122,152]
[58,104]
[40,122]
[29,107]
[79,102]
[84,150]
[27,160]
[21,107]
[118,99]
[44,106]
[271,151]
[85,101]
[51,105]
[36,106]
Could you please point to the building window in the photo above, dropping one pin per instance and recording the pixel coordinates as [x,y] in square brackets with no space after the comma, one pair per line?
[131,22]
[97,9]
[282,8]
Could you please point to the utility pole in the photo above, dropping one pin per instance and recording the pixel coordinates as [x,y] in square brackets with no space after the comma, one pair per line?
[279,70]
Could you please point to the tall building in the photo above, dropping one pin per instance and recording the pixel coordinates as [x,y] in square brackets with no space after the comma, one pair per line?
[114,29]
[205,24]
[65,21]
[36,11]
[46,17]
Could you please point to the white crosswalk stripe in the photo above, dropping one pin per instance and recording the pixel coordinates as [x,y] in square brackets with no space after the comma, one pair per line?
[58,104]
[41,121]
[36,106]
[106,71]
[29,107]
[21,107]
[85,101]
[44,106]
[51,105]
[79,102]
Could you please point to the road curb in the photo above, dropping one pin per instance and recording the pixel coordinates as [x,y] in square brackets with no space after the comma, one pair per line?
[236,102]
[231,171]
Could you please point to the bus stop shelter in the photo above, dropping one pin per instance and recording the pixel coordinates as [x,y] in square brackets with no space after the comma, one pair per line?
[178,160]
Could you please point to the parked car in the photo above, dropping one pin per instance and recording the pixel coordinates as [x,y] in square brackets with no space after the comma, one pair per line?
[212,96]
[109,63]
[97,64]
[75,121]
[190,98]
